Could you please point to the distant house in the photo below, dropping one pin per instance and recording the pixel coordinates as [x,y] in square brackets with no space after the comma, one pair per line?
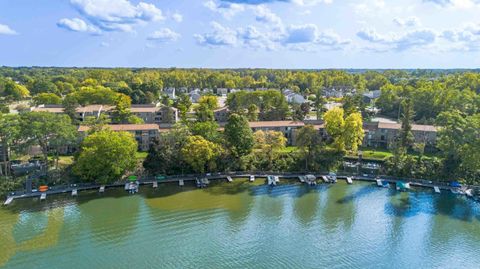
[338,92]
[221,114]
[170,92]
[222,91]
[145,134]
[293,98]
[195,96]
[371,96]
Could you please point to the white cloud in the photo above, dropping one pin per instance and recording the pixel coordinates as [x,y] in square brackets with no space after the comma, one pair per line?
[6,30]
[298,37]
[227,10]
[117,15]
[177,17]
[462,4]
[265,15]
[407,22]
[164,35]
[77,25]
[219,36]
[404,41]
[466,38]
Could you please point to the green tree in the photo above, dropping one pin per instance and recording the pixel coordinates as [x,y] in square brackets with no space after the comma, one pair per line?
[309,141]
[165,156]
[105,156]
[335,126]
[47,99]
[9,133]
[200,153]
[353,133]
[406,135]
[239,135]
[269,144]
[49,131]
[208,130]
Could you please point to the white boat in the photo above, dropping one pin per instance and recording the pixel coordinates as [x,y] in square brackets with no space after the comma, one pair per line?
[252,178]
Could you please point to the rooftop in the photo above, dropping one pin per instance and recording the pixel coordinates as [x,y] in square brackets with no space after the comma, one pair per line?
[124,127]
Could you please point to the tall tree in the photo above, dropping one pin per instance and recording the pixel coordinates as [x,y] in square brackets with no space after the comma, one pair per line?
[353,133]
[200,153]
[406,135]
[105,156]
[335,126]
[269,143]
[309,140]
[9,132]
[239,135]
[49,131]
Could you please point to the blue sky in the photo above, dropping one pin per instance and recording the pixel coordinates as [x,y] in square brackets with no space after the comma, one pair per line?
[241,33]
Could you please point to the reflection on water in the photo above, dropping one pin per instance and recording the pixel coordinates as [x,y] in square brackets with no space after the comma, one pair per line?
[243,225]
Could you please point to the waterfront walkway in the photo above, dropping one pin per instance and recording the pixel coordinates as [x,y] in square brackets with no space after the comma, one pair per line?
[180,179]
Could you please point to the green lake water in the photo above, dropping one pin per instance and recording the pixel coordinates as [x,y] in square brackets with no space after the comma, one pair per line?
[243,225]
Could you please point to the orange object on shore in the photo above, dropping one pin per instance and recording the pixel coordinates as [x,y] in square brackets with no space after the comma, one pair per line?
[43,188]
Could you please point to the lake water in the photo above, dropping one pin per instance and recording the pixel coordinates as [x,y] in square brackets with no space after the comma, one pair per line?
[243,225]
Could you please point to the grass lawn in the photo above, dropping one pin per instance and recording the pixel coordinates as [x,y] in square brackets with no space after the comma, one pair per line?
[371,154]
[141,155]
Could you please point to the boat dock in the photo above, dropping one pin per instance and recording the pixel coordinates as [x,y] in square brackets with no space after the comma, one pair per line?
[271,181]
[155,184]
[8,201]
[74,192]
[229,179]
[349,180]
[43,196]
[436,189]
[181,183]
[102,189]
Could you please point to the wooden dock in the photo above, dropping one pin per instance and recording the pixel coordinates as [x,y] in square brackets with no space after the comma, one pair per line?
[229,179]
[349,180]
[102,189]
[436,189]
[155,184]
[252,178]
[74,192]
[8,201]
[181,183]
[43,196]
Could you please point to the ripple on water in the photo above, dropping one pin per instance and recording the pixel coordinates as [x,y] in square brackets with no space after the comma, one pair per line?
[288,226]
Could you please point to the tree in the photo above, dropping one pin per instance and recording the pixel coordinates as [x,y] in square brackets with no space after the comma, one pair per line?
[239,135]
[210,101]
[165,156]
[319,103]
[105,156]
[183,104]
[14,91]
[269,143]
[49,131]
[335,126]
[122,113]
[204,113]
[252,113]
[309,140]
[406,136]
[207,130]
[199,153]
[47,99]
[353,133]
[9,132]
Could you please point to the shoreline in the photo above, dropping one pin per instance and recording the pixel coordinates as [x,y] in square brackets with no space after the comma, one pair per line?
[223,176]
